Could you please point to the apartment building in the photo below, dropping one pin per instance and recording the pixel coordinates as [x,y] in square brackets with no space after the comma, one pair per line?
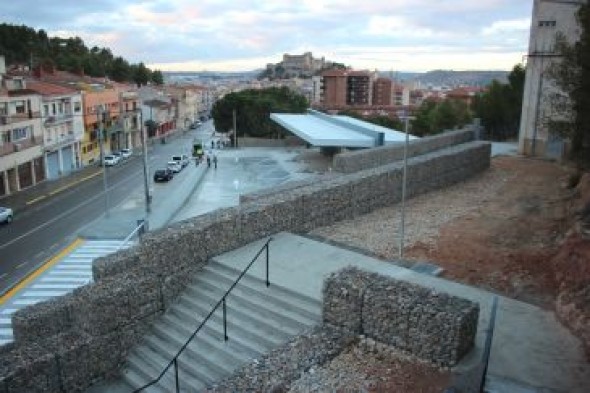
[101,111]
[21,135]
[63,127]
[383,91]
[188,101]
[346,88]
[129,120]
[549,17]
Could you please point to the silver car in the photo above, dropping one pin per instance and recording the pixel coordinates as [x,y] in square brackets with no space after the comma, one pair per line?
[5,214]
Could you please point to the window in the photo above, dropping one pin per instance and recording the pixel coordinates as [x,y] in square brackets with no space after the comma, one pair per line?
[77,106]
[45,110]
[61,108]
[547,23]
[6,137]
[19,133]
[20,107]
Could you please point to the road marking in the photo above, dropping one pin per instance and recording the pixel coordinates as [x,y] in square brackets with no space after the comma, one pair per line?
[23,283]
[35,200]
[60,189]
[20,265]
[3,275]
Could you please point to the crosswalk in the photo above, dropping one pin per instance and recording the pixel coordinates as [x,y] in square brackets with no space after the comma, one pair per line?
[72,271]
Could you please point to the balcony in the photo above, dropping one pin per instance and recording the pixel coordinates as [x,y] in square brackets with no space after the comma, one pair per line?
[17,118]
[14,147]
[59,119]
[62,140]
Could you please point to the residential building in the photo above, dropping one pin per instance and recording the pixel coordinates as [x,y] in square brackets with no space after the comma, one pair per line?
[21,135]
[101,112]
[130,120]
[382,91]
[63,127]
[188,101]
[536,137]
[466,94]
[346,88]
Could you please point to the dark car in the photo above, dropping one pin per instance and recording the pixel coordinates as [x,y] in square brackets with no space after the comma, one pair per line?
[163,175]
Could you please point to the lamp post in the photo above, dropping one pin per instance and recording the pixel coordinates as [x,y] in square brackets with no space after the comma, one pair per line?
[148,199]
[100,117]
[404,115]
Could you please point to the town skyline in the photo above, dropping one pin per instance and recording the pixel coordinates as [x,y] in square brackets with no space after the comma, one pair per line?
[399,35]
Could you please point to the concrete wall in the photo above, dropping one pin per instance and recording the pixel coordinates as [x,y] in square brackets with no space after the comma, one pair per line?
[132,287]
[433,326]
[353,161]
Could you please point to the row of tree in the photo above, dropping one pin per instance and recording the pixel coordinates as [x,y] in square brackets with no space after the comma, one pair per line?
[24,45]
[253,109]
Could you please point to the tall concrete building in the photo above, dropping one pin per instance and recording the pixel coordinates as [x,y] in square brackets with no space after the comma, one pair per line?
[346,88]
[549,17]
[383,91]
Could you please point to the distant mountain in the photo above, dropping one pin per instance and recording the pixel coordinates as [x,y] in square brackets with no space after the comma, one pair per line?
[450,78]
[196,76]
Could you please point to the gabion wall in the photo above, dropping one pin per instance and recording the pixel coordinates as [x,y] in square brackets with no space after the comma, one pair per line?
[433,326]
[103,320]
[354,161]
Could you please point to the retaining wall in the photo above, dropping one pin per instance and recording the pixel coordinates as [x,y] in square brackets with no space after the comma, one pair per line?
[436,327]
[353,161]
[132,287]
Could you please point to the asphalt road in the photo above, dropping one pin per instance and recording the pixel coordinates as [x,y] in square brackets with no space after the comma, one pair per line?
[46,227]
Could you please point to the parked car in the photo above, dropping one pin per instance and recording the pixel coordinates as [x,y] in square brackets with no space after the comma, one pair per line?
[181,159]
[110,160]
[174,166]
[6,215]
[126,153]
[163,175]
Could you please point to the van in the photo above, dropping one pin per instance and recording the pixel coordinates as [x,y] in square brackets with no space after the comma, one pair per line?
[182,159]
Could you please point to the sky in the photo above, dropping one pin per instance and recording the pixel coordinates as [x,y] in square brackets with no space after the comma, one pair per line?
[243,35]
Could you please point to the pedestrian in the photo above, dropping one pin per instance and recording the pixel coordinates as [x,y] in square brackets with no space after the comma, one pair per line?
[208,161]
[212,145]
[215,161]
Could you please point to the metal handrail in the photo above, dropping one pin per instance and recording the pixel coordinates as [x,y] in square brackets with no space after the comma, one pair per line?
[174,361]
[138,229]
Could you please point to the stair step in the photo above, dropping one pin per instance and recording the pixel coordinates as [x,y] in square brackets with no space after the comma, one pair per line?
[280,317]
[202,301]
[256,288]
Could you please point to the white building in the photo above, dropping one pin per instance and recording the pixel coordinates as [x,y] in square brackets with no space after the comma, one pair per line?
[21,135]
[63,127]
[549,17]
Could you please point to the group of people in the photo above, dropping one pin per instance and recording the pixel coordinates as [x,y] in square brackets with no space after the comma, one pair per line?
[209,159]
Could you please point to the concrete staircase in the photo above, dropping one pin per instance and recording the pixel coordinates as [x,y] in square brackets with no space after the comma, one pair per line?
[259,319]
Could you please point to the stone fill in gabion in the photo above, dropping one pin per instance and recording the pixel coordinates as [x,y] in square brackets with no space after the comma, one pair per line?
[433,326]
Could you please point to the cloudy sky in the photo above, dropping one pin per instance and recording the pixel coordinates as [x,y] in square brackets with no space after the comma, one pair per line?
[399,35]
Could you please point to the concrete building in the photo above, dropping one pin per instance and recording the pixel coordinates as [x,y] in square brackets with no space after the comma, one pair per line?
[21,135]
[130,120]
[548,18]
[101,109]
[63,127]
[382,91]
[346,88]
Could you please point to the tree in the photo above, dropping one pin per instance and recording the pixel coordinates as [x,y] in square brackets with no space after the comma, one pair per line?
[434,117]
[141,75]
[500,106]
[157,77]
[571,74]
[253,109]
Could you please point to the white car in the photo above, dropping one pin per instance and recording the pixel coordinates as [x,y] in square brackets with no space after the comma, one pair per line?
[174,166]
[126,153]
[6,214]
[110,160]
[182,159]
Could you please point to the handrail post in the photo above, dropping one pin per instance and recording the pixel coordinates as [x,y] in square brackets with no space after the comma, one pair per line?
[176,374]
[224,321]
[267,280]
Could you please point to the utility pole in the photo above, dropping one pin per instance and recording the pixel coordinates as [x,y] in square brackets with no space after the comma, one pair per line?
[100,117]
[235,130]
[148,199]
[404,180]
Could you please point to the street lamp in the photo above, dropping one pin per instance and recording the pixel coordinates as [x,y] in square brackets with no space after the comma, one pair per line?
[148,199]
[100,115]
[404,115]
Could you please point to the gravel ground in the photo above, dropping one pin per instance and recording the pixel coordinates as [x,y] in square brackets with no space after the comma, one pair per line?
[378,232]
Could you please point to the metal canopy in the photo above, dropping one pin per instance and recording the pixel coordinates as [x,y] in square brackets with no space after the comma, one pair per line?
[319,129]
